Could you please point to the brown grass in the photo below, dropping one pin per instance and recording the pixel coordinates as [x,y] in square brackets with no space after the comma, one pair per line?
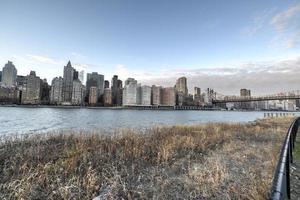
[208,161]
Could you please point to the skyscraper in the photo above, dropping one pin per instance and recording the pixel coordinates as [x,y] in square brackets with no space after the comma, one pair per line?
[77,93]
[181,91]
[197,96]
[106,84]
[93,96]
[20,81]
[56,90]
[76,75]
[45,90]
[119,93]
[181,86]
[107,97]
[81,76]
[156,95]
[209,96]
[68,82]
[130,95]
[197,91]
[145,95]
[96,80]
[9,74]
[32,90]
[245,93]
[168,96]
[138,94]
[116,89]
[0,76]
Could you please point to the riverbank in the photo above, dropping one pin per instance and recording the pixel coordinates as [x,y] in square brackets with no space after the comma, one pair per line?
[207,161]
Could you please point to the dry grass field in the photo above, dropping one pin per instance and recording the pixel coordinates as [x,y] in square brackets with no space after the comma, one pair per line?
[206,161]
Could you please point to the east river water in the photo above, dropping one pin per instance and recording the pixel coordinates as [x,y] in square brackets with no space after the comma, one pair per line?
[18,120]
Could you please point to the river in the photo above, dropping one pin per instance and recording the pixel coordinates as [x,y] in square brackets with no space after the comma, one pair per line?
[18,120]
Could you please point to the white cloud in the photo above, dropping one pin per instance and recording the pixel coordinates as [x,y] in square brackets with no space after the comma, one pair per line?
[44,59]
[124,72]
[258,22]
[262,77]
[287,26]
[77,55]
[282,20]
[80,66]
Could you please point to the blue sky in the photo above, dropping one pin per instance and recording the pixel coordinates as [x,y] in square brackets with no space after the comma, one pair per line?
[154,41]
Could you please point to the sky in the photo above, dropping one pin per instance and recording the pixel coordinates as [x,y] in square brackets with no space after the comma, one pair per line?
[224,45]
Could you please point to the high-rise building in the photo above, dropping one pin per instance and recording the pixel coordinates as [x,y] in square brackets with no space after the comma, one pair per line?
[139,94]
[197,91]
[130,95]
[93,95]
[106,84]
[156,95]
[76,75]
[181,99]
[9,95]
[145,95]
[56,91]
[245,93]
[77,93]
[9,75]
[181,86]
[68,82]
[197,96]
[32,90]
[96,80]
[45,96]
[181,91]
[116,90]
[0,76]
[107,97]
[168,96]
[20,81]
[81,76]
[119,97]
[209,96]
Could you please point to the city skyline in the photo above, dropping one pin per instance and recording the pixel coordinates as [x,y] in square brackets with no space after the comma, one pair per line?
[158,44]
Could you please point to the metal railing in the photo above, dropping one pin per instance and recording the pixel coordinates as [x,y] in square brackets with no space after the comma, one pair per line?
[281,182]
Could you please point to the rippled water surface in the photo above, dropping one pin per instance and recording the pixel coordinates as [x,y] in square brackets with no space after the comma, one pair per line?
[28,120]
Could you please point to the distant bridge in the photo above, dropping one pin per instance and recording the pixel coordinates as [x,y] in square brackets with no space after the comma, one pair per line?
[249,99]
